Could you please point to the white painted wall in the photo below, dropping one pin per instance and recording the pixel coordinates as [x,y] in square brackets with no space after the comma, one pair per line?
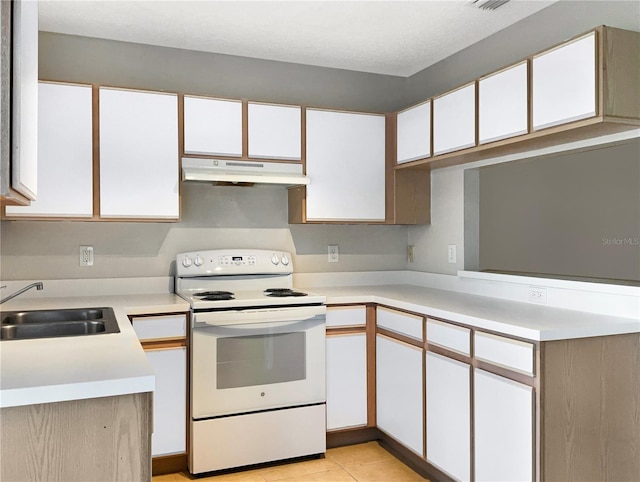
[447,224]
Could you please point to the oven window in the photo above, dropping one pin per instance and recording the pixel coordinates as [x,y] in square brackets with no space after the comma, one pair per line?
[245,361]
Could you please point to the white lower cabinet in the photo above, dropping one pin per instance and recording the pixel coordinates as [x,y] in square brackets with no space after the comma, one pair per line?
[346,381]
[448,423]
[399,401]
[169,400]
[504,417]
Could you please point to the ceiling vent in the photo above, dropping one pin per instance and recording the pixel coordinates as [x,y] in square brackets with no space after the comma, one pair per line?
[487,4]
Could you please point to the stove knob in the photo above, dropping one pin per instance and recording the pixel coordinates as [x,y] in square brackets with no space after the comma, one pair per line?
[198,261]
[285,260]
[186,262]
[275,259]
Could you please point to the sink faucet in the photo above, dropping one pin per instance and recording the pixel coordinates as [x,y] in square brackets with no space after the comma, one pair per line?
[37,286]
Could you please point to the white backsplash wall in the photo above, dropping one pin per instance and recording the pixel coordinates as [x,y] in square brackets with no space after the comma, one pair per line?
[212,217]
[447,225]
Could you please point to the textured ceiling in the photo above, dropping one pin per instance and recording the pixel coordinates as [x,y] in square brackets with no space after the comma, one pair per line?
[384,37]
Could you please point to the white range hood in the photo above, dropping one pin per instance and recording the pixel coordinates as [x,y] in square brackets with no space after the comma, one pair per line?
[243,172]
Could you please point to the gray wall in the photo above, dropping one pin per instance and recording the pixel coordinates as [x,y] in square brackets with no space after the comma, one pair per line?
[124,64]
[212,217]
[574,214]
[219,217]
[548,27]
[558,22]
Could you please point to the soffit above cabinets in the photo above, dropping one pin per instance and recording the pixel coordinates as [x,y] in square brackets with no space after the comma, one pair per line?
[384,37]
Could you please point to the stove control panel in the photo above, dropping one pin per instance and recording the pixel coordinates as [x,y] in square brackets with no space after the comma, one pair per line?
[229,262]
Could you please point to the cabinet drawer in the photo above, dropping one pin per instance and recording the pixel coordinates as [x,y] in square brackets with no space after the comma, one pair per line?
[505,352]
[403,323]
[166,326]
[449,336]
[346,316]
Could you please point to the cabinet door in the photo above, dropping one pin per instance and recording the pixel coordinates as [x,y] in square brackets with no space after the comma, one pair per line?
[274,131]
[24,102]
[503,429]
[212,126]
[400,322]
[502,101]
[159,327]
[414,133]
[454,120]
[564,83]
[138,155]
[399,392]
[65,149]
[449,415]
[346,380]
[346,166]
[346,316]
[169,401]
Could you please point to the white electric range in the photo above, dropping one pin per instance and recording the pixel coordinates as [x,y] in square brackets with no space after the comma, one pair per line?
[257,360]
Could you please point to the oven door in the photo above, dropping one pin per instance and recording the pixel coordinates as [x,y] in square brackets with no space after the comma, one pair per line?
[256,359]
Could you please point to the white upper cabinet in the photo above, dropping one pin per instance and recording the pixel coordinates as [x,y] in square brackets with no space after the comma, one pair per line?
[564,83]
[346,166]
[24,108]
[454,120]
[414,133]
[212,126]
[275,131]
[65,148]
[138,154]
[503,104]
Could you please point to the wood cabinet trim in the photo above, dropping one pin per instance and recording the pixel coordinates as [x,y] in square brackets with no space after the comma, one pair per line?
[150,344]
[96,150]
[371,366]
[346,330]
[407,340]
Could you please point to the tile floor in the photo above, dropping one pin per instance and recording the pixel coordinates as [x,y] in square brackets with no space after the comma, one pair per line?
[363,463]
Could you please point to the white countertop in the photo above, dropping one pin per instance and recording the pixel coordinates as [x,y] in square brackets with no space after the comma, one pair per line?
[71,368]
[523,320]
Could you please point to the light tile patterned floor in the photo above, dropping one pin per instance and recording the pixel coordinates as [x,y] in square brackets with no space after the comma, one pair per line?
[363,463]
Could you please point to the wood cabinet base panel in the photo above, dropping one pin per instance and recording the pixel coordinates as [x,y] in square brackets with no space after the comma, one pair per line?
[169,464]
[590,426]
[98,439]
[341,438]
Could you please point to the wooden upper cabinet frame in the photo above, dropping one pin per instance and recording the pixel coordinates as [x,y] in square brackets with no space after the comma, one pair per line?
[617,103]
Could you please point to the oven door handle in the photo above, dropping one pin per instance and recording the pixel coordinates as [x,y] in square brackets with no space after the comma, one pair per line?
[282,315]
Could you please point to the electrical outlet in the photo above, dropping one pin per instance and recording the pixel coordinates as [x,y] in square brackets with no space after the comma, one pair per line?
[451,253]
[410,254]
[538,294]
[333,253]
[86,255]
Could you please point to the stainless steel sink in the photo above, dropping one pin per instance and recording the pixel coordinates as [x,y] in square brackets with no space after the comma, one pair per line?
[21,325]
